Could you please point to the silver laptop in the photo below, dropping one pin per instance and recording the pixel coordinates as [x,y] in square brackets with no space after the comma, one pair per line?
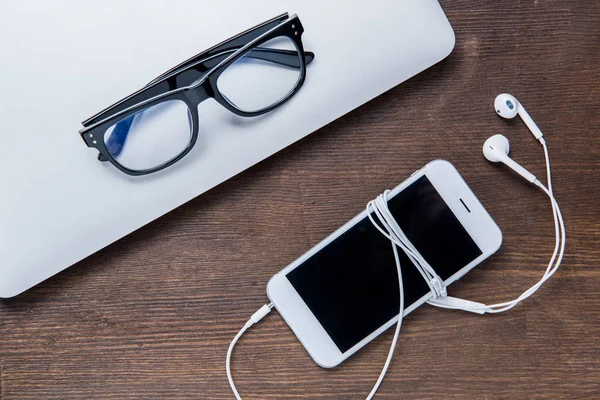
[59,204]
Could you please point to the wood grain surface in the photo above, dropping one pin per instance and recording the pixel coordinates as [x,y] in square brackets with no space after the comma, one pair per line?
[151,316]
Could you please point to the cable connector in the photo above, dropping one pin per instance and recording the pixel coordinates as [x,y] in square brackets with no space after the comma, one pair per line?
[261,313]
[458,304]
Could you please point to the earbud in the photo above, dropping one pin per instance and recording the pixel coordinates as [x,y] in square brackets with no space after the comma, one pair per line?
[507,106]
[496,149]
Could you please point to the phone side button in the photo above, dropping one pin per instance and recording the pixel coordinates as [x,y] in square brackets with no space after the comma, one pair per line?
[414,173]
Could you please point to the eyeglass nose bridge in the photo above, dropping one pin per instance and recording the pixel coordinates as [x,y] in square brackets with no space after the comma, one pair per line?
[198,94]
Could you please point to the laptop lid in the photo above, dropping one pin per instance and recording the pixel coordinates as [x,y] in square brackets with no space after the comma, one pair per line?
[65,60]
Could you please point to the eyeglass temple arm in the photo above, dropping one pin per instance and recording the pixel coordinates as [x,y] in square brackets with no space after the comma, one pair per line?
[190,73]
[231,43]
[289,58]
[197,70]
[235,41]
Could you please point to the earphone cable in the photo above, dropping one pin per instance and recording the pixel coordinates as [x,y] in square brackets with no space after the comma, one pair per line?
[254,319]
[496,149]
[559,247]
[553,265]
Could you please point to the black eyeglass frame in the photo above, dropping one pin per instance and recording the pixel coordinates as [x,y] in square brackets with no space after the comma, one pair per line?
[193,94]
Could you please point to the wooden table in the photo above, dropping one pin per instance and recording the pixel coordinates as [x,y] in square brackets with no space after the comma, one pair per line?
[151,316]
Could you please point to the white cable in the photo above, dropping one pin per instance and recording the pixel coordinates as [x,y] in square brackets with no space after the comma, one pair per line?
[398,326]
[228,361]
[255,318]
[553,265]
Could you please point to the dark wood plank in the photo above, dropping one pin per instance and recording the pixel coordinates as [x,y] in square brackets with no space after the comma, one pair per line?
[152,315]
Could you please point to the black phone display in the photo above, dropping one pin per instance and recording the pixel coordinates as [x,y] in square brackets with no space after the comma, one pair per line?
[351,285]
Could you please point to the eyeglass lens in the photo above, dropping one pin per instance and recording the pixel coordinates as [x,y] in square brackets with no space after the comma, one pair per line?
[263,76]
[151,137]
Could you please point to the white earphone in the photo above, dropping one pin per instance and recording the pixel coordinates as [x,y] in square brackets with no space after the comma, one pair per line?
[495,149]
[507,106]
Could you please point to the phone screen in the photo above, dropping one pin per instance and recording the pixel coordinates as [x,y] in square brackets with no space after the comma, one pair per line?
[351,285]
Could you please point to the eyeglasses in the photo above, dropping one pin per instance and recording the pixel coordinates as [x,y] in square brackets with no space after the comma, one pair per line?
[249,74]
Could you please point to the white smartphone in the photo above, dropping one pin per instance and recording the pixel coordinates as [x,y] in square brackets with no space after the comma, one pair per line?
[344,292]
